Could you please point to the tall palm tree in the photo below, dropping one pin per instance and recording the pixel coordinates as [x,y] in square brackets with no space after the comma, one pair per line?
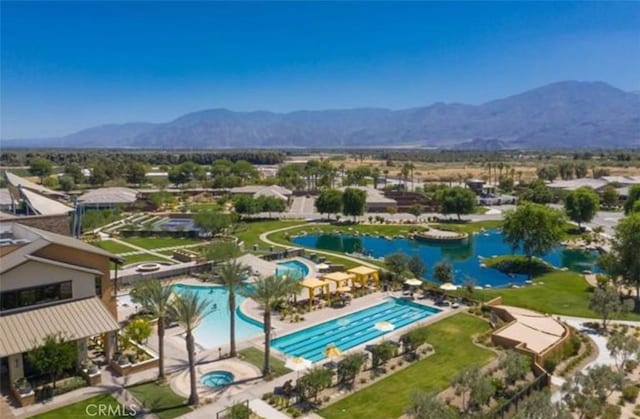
[267,291]
[231,277]
[189,310]
[155,298]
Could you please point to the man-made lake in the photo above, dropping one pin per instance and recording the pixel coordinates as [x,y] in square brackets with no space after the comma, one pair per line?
[466,257]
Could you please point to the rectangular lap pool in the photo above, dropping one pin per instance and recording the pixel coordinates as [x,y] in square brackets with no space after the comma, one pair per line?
[352,329]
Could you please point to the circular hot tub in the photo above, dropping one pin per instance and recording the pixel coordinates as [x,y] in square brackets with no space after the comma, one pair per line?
[148,267]
[217,379]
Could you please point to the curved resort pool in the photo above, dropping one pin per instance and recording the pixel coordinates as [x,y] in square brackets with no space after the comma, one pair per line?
[214,328]
[465,257]
[295,266]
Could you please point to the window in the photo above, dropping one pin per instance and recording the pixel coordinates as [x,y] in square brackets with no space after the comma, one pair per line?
[99,286]
[42,294]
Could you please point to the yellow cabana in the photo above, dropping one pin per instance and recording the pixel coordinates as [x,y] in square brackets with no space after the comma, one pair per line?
[314,283]
[364,275]
[341,279]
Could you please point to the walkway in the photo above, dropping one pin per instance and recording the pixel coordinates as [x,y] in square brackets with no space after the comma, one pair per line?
[142,250]
[159,249]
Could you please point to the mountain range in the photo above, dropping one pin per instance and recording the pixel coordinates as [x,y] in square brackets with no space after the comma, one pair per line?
[566,114]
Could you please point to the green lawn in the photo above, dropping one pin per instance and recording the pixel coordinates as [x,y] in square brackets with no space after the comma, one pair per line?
[84,410]
[207,206]
[160,400]
[159,242]
[469,227]
[557,292]
[143,257]
[249,232]
[454,351]
[113,247]
[255,356]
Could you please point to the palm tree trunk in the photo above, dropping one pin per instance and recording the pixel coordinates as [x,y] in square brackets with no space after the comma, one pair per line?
[161,348]
[232,323]
[266,369]
[193,397]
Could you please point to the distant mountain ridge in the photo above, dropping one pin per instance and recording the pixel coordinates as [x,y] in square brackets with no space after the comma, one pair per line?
[560,115]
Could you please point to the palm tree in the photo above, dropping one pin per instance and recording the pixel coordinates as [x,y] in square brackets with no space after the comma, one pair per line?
[266,292]
[155,298]
[189,310]
[231,277]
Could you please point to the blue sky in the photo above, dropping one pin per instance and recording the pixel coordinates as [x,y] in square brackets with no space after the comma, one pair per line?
[68,66]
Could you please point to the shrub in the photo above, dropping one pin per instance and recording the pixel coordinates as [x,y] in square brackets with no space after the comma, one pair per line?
[630,365]
[611,412]
[630,393]
[550,365]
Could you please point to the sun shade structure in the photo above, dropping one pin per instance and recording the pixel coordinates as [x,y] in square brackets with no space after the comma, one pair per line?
[365,275]
[311,284]
[332,351]
[42,205]
[20,182]
[109,196]
[341,279]
[298,364]
[448,286]
[414,282]
[23,331]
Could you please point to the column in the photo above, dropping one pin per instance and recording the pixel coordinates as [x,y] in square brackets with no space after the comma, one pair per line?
[16,367]
[82,352]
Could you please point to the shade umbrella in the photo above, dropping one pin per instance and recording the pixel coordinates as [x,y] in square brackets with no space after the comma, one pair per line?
[298,364]
[322,266]
[384,326]
[332,351]
[448,286]
[413,282]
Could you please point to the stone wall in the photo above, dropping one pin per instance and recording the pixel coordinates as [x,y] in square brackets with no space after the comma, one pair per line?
[60,223]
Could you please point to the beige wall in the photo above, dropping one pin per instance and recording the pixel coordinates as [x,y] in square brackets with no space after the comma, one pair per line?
[60,224]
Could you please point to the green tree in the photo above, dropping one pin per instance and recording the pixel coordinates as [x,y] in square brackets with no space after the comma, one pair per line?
[413,339]
[270,204]
[75,171]
[607,303]
[622,348]
[353,201]
[396,263]
[156,299]
[443,272]
[267,291]
[53,357]
[515,366]
[581,170]
[245,204]
[213,222]
[416,266]
[329,201]
[534,228]
[634,195]
[349,367]
[428,406]
[381,353]
[51,182]
[610,197]
[98,175]
[581,205]
[548,173]
[40,167]
[463,383]
[623,257]
[482,390]
[587,391]
[66,183]
[457,200]
[540,406]
[313,382]
[136,173]
[538,192]
[189,310]
[416,210]
[137,330]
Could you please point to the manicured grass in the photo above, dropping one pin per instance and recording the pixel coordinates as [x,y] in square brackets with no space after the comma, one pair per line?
[113,247]
[159,242]
[143,257]
[84,410]
[160,400]
[454,351]
[208,206]
[469,227]
[557,292]
[255,356]
[249,232]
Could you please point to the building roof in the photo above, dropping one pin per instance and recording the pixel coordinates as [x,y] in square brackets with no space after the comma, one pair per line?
[338,276]
[362,270]
[573,184]
[74,320]
[5,197]
[114,195]
[374,196]
[42,205]
[535,330]
[17,181]
[313,283]
[623,180]
[270,192]
[255,189]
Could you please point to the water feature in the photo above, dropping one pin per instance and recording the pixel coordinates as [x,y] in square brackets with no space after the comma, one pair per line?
[217,379]
[295,267]
[466,257]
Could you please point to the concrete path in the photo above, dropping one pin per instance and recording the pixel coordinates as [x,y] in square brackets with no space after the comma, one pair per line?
[143,250]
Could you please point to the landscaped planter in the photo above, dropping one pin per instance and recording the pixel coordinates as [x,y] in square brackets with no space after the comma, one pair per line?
[23,392]
[124,367]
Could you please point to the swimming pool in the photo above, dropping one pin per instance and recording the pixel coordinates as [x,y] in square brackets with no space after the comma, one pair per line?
[295,266]
[466,257]
[214,328]
[352,329]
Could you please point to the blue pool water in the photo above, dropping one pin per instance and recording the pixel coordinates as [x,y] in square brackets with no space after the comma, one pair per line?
[217,379]
[465,257]
[214,328]
[176,224]
[350,330]
[296,267]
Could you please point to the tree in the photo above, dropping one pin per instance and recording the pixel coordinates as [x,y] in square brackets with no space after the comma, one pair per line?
[245,204]
[428,406]
[634,195]
[413,339]
[267,291]
[138,330]
[40,167]
[623,257]
[587,392]
[66,183]
[416,266]
[581,170]
[548,173]
[606,302]
[381,353]
[416,210]
[270,204]
[75,171]
[136,173]
[540,406]
[443,272]
[189,310]
[53,357]
[213,222]
[482,390]
[396,263]
[534,228]
[581,205]
[622,348]
[329,201]
[610,197]
[463,383]
[349,367]
[313,382]
[457,200]
[515,365]
[353,201]
[155,298]
[538,192]
[98,175]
